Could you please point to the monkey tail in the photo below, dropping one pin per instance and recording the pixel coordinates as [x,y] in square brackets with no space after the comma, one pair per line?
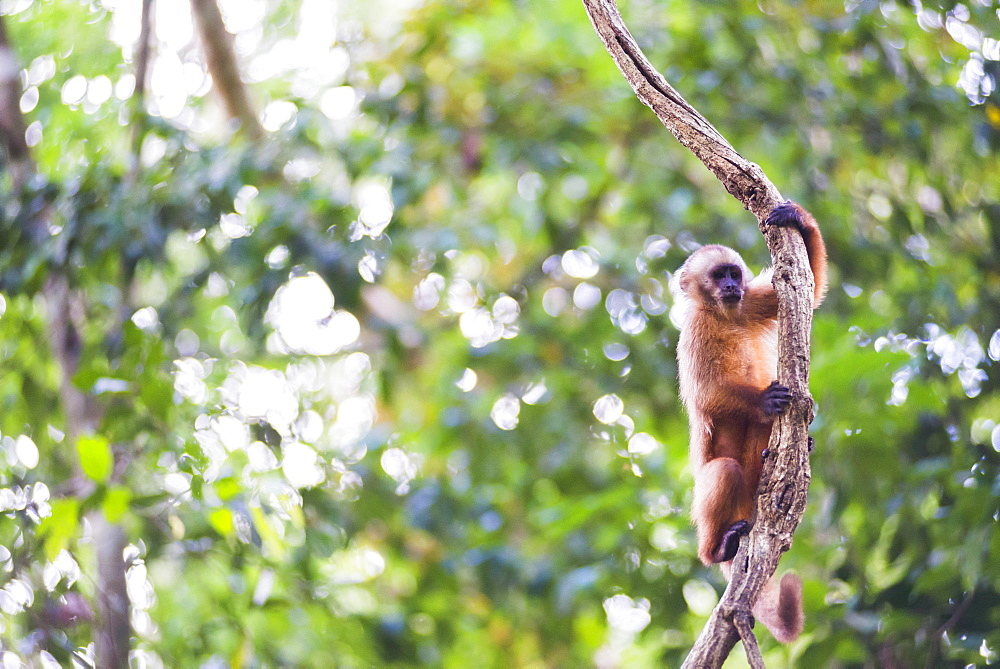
[780,608]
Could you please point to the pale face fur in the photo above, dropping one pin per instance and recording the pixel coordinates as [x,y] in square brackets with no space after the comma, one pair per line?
[695,278]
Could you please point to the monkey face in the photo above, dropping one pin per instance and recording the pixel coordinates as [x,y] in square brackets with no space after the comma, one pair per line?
[714,277]
[728,283]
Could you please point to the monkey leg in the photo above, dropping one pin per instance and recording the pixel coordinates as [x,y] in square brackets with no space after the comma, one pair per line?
[720,509]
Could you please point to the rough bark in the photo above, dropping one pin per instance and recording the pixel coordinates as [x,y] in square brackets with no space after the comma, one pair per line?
[222,64]
[785,480]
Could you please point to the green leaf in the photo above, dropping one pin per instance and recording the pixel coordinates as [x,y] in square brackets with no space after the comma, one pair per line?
[60,526]
[116,503]
[96,458]
[221,521]
[226,489]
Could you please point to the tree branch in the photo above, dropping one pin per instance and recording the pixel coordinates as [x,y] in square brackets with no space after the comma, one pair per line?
[138,103]
[221,58]
[785,479]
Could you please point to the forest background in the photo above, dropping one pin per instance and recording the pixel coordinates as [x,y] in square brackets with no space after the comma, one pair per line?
[373,365]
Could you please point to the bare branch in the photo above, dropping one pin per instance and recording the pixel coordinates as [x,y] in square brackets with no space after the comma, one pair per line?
[785,479]
[139,95]
[142,49]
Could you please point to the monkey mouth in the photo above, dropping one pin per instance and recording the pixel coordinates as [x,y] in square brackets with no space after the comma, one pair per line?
[730,298]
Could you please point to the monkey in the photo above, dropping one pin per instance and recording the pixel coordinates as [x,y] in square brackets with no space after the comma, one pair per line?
[727,367]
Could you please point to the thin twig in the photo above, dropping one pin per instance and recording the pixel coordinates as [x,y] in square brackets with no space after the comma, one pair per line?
[742,620]
[950,623]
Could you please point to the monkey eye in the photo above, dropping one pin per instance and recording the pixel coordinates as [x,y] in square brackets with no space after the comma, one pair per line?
[720,273]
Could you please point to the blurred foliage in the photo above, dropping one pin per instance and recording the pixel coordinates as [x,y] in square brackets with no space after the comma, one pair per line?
[395,386]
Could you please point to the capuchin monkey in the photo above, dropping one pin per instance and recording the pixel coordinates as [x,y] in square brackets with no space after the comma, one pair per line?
[727,360]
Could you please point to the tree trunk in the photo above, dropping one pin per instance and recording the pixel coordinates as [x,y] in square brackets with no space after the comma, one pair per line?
[12,128]
[112,627]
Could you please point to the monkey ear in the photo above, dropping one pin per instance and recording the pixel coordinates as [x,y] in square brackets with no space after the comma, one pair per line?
[682,280]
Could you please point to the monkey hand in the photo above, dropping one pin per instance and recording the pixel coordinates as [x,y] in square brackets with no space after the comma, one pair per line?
[785,215]
[775,399]
[730,541]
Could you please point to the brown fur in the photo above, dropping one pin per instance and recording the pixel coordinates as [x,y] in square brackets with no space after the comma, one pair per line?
[727,363]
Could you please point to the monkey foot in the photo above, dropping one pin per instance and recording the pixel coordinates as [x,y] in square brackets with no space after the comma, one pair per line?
[730,542]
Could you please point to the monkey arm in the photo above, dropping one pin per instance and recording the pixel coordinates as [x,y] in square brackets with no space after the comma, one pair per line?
[760,301]
[741,399]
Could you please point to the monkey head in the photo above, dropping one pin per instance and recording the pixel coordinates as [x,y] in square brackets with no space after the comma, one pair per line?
[715,276]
